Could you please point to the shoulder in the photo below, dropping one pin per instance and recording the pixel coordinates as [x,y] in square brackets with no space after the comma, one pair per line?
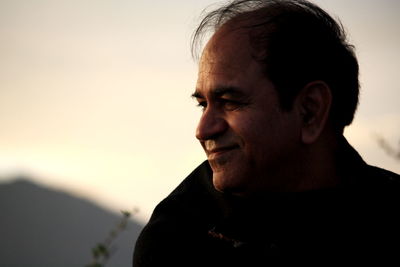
[382,177]
[194,193]
[198,181]
[359,174]
[379,191]
[183,216]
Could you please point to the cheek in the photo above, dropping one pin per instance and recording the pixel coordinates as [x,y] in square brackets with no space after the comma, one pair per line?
[253,131]
[262,126]
[264,135]
[243,127]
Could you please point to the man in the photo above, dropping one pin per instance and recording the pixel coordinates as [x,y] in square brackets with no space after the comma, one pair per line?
[277,84]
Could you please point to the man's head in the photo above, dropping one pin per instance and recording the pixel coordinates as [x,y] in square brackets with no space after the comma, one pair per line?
[274,76]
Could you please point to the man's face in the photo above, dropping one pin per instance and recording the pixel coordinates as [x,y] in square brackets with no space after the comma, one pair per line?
[250,143]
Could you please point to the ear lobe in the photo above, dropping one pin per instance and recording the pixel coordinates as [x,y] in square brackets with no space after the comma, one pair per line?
[313,103]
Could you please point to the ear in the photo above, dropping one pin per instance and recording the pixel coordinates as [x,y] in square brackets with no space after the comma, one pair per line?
[313,104]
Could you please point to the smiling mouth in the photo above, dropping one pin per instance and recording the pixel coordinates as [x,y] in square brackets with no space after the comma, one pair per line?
[219,151]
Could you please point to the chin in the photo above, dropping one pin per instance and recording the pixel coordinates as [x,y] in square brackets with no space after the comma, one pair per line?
[228,184]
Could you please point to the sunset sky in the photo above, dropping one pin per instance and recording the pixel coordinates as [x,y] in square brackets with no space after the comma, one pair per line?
[95,94]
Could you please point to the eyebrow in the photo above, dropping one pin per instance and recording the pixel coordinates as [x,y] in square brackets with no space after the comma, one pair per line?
[220,91]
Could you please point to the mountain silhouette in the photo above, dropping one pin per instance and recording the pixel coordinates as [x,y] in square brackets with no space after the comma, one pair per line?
[40,227]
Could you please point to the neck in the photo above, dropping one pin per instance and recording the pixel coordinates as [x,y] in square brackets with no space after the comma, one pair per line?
[314,167]
[318,169]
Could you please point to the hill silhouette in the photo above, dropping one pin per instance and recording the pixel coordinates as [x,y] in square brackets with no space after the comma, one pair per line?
[40,227]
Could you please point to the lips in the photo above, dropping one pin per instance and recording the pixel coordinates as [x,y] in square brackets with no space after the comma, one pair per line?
[220,151]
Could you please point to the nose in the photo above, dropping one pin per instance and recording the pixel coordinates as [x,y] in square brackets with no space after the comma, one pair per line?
[211,125]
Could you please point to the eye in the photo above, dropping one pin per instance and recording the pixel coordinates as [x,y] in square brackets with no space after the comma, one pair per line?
[202,104]
[230,104]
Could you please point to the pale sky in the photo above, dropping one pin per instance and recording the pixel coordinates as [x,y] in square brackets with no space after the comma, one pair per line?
[95,94]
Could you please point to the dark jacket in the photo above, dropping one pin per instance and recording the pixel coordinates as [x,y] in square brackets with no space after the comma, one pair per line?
[354,222]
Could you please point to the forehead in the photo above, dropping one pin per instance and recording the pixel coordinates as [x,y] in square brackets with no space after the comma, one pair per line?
[227,60]
[228,47]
